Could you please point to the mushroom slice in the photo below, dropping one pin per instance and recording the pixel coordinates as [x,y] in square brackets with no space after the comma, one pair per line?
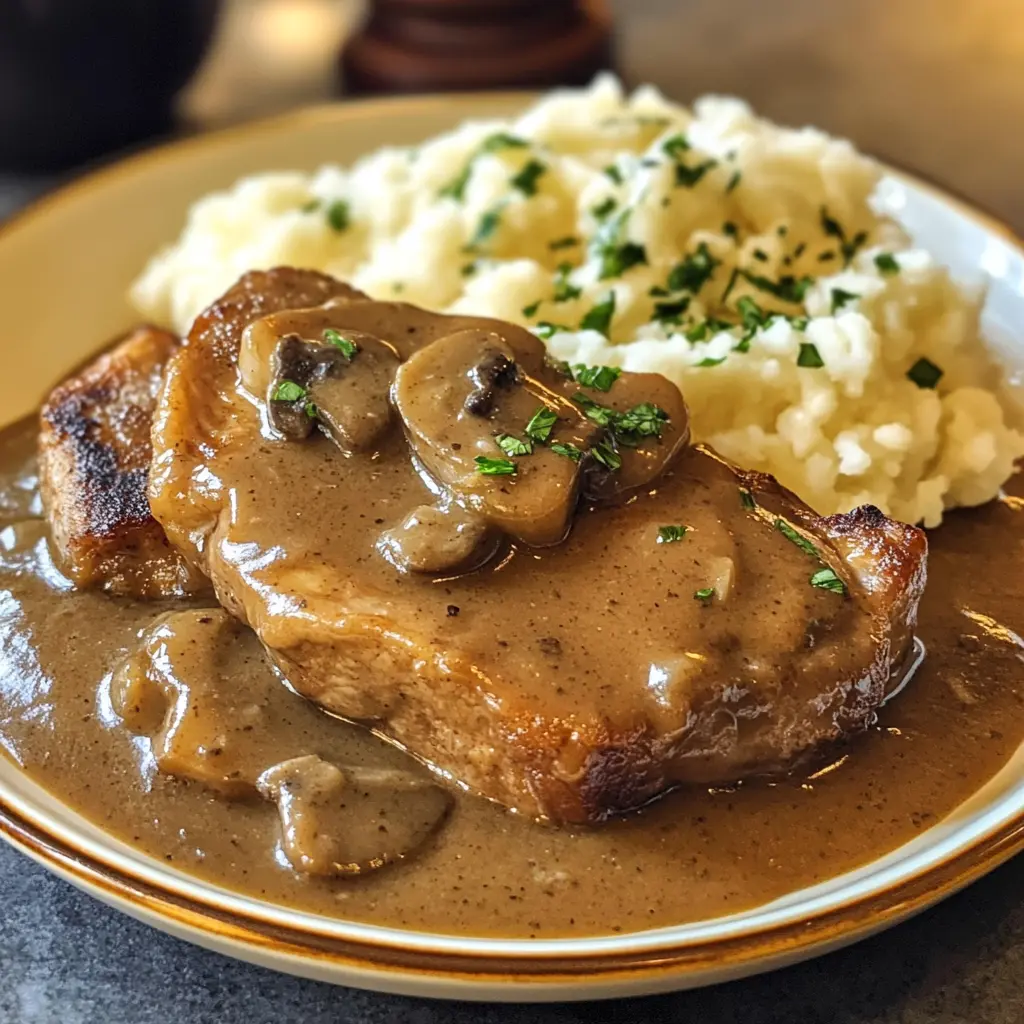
[439,538]
[648,426]
[351,821]
[171,689]
[340,384]
[488,420]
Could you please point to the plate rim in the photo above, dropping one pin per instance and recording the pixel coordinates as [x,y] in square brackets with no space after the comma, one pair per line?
[742,952]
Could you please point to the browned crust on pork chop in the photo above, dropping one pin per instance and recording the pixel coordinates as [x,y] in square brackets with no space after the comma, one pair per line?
[94,454]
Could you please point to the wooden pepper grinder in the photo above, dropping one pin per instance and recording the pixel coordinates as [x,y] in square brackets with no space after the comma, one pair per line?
[453,45]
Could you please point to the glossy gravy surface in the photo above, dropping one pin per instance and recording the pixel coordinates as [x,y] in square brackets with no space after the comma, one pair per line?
[694,854]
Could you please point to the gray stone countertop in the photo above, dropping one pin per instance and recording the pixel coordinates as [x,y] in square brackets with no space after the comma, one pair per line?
[932,85]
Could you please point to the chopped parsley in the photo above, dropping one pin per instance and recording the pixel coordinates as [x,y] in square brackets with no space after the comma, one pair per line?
[699,332]
[594,411]
[339,215]
[711,361]
[752,314]
[531,310]
[809,357]
[687,177]
[886,263]
[924,373]
[670,534]
[787,288]
[694,271]
[747,500]
[733,278]
[604,208]
[704,594]
[734,180]
[826,579]
[469,269]
[671,312]
[541,423]
[675,146]
[545,329]
[512,445]
[607,456]
[525,180]
[601,378]
[485,229]
[494,467]
[347,346]
[616,260]
[643,420]
[847,246]
[456,188]
[288,391]
[564,289]
[502,140]
[563,243]
[310,206]
[796,537]
[840,298]
[730,229]
[614,173]
[568,449]
[599,318]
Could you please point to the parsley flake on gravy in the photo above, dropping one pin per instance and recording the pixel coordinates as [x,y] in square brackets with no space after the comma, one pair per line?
[599,318]
[568,449]
[512,445]
[809,357]
[288,391]
[601,378]
[705,594]
[339,215]
[494,467]
[796,537]
[541,423]
[747,500]
[643,420]
[925,374]
[670,534]
[607,456]
[826,579]
[347,346]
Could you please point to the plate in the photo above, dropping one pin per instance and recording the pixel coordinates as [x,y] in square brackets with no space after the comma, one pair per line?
[65,265]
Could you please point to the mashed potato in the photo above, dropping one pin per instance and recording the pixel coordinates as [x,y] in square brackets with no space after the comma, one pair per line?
[740,259]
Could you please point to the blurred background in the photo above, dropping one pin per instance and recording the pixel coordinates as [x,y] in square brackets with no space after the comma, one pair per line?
[936,86]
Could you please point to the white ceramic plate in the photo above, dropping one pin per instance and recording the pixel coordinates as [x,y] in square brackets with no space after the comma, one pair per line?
[65,265]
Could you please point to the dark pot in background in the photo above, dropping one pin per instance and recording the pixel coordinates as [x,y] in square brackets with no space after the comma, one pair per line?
[79,78]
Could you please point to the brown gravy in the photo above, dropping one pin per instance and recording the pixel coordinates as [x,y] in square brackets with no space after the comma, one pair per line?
[694,854]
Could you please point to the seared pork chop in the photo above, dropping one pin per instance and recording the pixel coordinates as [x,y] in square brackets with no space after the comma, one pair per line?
[94,453]
[520,573]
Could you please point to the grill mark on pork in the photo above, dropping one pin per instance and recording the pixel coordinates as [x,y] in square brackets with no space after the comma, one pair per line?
[94,455]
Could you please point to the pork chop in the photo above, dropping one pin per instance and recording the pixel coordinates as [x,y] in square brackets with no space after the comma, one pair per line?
[94,453]
[520,573]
